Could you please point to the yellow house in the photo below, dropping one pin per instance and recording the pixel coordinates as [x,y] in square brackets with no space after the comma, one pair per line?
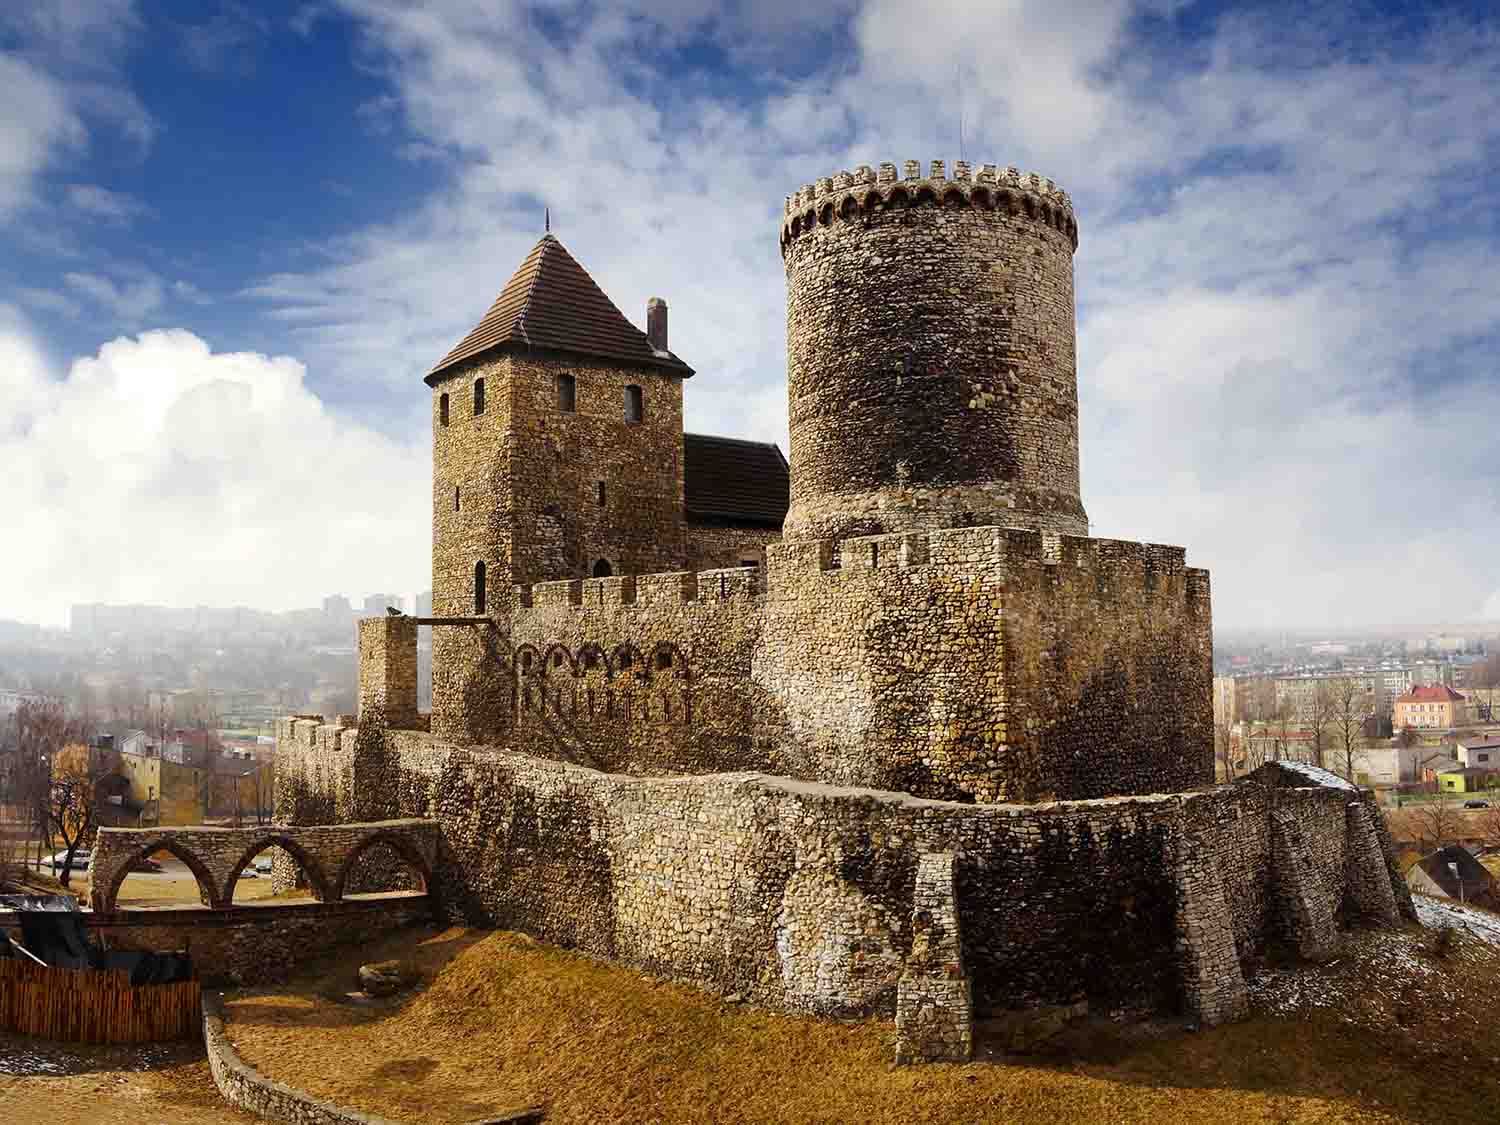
[1464,779]
[169,793]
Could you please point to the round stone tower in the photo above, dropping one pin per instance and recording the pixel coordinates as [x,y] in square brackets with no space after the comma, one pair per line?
[930,352]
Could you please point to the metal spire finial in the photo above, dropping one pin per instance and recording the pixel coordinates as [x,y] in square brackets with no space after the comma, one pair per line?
[546,220]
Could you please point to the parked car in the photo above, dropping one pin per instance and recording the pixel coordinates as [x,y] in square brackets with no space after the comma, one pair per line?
[263,865]
[80,862]
[1476,804]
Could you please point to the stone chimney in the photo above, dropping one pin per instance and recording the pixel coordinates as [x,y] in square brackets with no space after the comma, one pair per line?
[656,324]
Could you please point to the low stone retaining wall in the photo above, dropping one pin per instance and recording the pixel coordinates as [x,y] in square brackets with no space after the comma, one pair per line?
[254,944]
[244,1086]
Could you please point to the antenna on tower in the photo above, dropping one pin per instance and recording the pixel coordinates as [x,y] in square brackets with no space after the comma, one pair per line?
[546,220]
[958,90]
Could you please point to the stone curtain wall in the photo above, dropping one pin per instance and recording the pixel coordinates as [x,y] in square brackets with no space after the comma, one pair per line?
[255,944]
[217,856]
[931,370]
[802,896]
[978,663]
[713,547]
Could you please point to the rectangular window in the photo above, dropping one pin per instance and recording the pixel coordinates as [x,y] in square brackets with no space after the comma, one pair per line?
[567,394]
[443,409]
[635,404]
[478,396]
[601,494]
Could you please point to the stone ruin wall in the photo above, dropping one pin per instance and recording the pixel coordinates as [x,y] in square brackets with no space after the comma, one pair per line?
[968,664]
[802,896]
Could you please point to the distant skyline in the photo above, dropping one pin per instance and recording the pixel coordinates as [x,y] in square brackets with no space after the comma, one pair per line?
[235,237]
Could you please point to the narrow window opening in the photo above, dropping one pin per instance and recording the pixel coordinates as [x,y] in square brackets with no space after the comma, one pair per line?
[557,659]
[478,397]
[750,564]
[625,659]
[601,494]
[602,569]
[457,505]
[635,404]
[443,409]
[526,661]
[479,587]
[664,659]
[567,394]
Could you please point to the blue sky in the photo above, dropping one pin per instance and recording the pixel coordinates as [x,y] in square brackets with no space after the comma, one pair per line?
[237,234]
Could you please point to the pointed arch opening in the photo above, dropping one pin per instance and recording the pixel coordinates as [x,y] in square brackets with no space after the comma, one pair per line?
[274,867]
[383,864]
[153,876]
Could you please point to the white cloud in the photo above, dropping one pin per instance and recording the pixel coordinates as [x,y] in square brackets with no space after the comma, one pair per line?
[101,203]
[160,471]
[1284,236]
[127,301]
[37,125]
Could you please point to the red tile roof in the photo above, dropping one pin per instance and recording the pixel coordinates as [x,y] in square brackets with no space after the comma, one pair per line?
[552,302]
[1431,693]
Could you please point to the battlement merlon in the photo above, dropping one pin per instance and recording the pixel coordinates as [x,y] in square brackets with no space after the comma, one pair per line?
[983,548]
[990,187]
[676,587]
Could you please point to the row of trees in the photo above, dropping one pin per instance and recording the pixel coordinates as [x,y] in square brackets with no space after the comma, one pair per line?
[1331,723]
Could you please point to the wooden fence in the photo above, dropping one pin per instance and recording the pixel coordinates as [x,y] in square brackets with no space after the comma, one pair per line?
[95,1006]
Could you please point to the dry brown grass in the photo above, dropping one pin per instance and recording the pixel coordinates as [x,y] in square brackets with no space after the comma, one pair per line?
[502,1021]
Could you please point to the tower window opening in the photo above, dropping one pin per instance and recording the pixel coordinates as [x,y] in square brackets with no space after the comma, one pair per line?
[457,505]
[602,569]
[635,404]
[479,587]
[567,394]
[478,397]
[601,494]
[664,659]
[443,409]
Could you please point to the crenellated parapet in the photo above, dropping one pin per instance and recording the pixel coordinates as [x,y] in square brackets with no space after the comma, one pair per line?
[671,588]
[847,196]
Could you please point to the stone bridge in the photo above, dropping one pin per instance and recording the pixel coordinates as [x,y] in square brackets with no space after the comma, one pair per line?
[217,856]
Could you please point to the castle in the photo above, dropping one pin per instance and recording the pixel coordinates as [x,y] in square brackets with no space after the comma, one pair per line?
[881,727]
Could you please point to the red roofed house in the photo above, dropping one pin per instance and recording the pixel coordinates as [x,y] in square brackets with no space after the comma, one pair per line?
[1431,707]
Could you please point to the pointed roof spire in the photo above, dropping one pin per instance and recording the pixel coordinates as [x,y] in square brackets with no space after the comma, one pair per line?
[551,302]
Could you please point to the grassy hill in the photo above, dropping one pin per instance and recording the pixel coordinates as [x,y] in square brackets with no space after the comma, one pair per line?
[1400,1027]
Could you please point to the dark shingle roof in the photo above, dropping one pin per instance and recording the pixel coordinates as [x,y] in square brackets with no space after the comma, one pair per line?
[552,302]
[730,479]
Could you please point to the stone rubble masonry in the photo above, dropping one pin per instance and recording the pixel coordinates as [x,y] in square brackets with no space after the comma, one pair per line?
[217,856]
[981,663]
[1370,895]
[1213,986]
[388,671]
[1306,917]
[802,896]
[931,371]
[934,1003]
[259,944]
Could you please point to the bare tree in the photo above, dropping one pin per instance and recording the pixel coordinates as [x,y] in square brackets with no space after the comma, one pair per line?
[1224,747]
[1437,823]
[70,802]
[1350,710]
[1319,715]
[43,729]
[1484,681]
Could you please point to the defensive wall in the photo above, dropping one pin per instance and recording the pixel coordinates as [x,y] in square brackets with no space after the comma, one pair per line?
[978,663]
[803,896]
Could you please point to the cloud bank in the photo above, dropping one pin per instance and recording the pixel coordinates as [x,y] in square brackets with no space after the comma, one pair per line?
[160,471]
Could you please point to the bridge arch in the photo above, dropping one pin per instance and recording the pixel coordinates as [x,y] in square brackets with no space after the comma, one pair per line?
[309,865]
[398,844]
[207,888]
